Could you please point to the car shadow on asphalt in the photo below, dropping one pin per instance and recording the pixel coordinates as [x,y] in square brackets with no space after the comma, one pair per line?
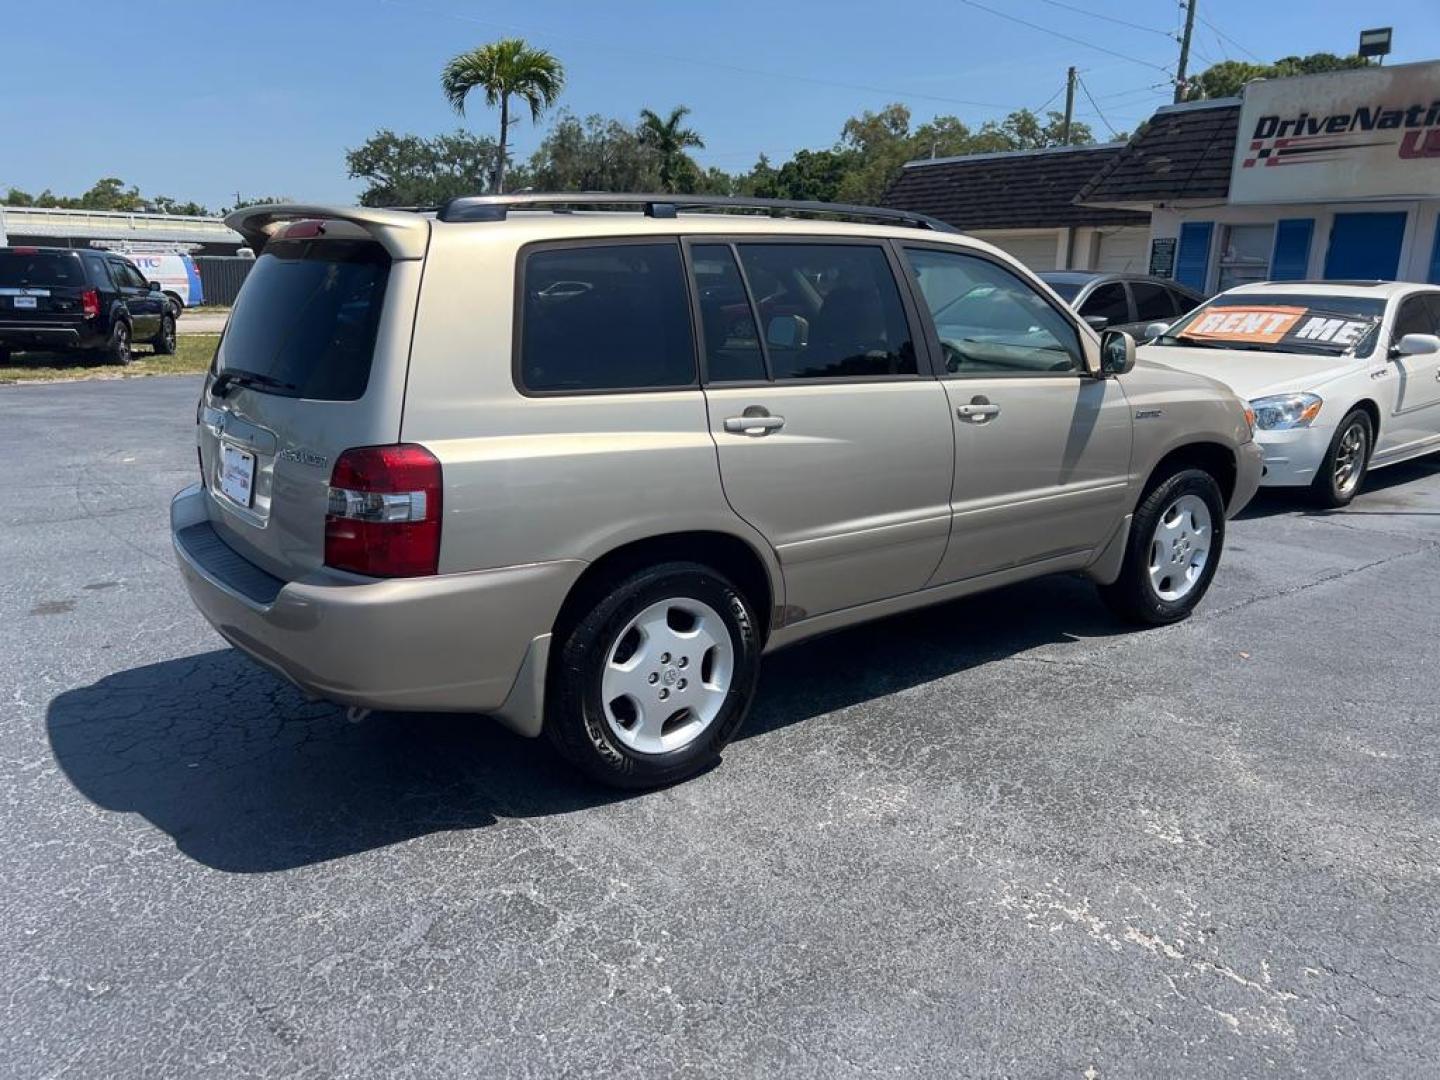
[248,777]
[1384,494]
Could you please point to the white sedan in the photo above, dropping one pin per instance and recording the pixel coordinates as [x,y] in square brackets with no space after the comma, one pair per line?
[1342,377]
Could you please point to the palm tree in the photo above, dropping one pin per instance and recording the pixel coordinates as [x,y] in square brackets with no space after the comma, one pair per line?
[669,140]
[504,69]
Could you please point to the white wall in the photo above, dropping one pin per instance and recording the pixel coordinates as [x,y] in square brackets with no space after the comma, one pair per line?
[1415,249]
[1122,248]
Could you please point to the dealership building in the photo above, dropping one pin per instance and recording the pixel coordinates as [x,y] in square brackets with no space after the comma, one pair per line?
[1333,176]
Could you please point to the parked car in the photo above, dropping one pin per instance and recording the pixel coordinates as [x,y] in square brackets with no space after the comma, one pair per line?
[67,300]
[1343,376]
[1128,302]
[177,274]
[580,470]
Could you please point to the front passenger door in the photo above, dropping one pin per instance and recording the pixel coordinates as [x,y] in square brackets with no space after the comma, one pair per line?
[1417,405]
[1042,448]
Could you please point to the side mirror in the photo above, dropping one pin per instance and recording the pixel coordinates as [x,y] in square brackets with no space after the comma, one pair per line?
[1097,322]
[1155,329]
[153,286]
[787,332]
[1417,345]
[1117,352]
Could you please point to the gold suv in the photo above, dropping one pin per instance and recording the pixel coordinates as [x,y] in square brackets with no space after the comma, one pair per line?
[580,461]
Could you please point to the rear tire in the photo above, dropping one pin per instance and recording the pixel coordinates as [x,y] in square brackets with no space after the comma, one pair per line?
[654,678]
[164,342]
[176,307]
[1342,472]
[117,349]
[1176,538]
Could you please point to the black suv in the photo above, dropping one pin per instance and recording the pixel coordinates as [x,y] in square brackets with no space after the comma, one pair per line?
[64,299]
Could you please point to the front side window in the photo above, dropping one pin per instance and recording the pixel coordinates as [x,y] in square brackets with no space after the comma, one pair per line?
[605,317]
[1416,316]
[1153,303]
[1108,302]
[989,321]
[829,311]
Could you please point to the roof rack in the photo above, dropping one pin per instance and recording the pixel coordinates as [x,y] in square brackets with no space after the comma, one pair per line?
[496,207]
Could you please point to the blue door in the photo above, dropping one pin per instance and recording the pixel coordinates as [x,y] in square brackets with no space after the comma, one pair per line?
[1365,246]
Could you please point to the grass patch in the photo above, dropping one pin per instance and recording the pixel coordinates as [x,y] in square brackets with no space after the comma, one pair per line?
[193,353]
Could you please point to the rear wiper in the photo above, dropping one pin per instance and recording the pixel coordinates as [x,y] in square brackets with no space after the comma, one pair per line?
[233,377]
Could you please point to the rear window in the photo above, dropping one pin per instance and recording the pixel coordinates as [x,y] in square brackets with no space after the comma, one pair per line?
[307,317]
[611,317]
[19,271]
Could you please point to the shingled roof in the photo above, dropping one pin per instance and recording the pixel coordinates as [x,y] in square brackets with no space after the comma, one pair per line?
[1183,153]
[1023,189]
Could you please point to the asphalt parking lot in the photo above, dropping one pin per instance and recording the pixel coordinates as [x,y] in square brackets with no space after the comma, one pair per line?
[1001,837]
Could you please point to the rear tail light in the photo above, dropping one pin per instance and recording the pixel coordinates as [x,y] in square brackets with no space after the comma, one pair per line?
[383,518]
[90,303]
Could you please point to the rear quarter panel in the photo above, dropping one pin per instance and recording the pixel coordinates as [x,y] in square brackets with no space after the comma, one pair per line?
[535,478]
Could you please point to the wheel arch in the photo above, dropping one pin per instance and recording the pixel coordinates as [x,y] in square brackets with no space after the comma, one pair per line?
[736,558]
[1215,458]
[1372,407]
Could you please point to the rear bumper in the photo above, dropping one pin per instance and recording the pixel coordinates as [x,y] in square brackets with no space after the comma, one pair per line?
[21,335]
[1249,467]
[473,642]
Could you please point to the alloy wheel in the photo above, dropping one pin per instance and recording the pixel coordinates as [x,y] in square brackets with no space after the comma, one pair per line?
[667,675]
[1350,459]
[1180,547]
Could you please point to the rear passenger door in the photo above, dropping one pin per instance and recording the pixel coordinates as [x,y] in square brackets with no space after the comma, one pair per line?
[834,439]
[1042,448]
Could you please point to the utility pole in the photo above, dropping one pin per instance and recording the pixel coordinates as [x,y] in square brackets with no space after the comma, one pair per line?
[1184,51]
[1069,107]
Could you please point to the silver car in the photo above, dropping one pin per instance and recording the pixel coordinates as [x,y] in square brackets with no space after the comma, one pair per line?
[580,461]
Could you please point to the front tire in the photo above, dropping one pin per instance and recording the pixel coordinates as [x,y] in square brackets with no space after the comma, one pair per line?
[1342,472]
[654,679]
[164,342]
[1176,537]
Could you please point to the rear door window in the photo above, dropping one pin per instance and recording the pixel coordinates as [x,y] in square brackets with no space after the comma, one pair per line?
[307,317]
[21,270]
[829,311]
[605,317]
[1153,303]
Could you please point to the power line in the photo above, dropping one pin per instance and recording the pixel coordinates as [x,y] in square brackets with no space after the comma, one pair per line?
[1089,97]
[1109,18]
[1063,37]
[1228,38]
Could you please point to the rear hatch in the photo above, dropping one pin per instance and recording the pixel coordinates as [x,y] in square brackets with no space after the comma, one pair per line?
[41,287]
[312,363]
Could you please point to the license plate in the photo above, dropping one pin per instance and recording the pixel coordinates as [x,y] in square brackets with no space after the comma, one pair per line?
[24,301]
[237,474]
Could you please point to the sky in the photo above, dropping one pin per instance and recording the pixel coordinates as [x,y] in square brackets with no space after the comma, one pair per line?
[201,99]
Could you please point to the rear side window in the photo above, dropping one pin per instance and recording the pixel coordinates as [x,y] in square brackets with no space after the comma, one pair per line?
[828,311]
[19,270]
[99,273]
[607,317]
[307,316]
[1152,302]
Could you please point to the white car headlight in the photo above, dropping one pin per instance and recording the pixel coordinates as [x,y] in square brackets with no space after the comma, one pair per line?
[1285,411]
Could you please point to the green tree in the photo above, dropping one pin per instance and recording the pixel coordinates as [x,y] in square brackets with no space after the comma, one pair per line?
[669,141]
[504,69]
[410,170]
[596,154]
[1228,78]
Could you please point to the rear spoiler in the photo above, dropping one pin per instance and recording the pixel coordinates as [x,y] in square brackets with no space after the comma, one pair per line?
[403,235]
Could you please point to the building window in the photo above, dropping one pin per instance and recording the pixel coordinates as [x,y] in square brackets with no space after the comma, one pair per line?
[1244,254]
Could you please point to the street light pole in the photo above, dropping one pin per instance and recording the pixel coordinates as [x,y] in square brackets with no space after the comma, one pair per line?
[1184,51]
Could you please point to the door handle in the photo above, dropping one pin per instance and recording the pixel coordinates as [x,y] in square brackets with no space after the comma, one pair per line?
[754,423]
[980,410]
